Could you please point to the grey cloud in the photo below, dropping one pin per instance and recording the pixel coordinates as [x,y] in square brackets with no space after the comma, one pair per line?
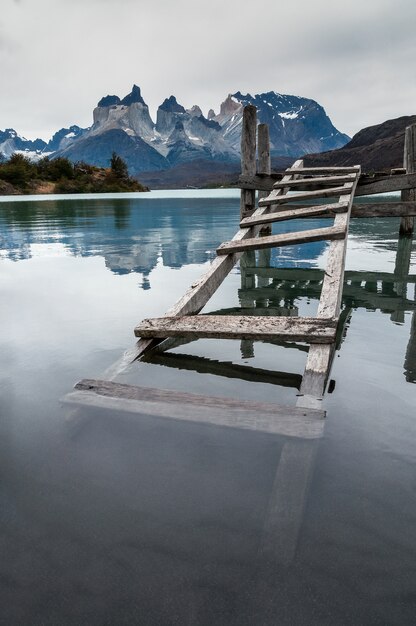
[355,58]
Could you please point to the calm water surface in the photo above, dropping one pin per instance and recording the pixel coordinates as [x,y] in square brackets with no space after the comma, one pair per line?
[107,518]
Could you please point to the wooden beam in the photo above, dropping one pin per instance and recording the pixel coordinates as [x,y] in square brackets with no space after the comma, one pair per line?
[385,185]
[409,162]
[326,210]
[284,239]
[316,181]
[383,209]
[324,170]
[366,186]
[318,363]
[306,329]
[257,416]
[273,198]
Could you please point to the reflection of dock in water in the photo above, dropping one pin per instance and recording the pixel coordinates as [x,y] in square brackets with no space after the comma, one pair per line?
[269,311]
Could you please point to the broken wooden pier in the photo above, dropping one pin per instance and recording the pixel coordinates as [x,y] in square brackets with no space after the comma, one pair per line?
[300,193]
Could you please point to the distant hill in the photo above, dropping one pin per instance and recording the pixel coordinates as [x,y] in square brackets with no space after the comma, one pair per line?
[375,148]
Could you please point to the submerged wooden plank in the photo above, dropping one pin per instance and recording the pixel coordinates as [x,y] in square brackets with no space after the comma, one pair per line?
[315,181]
[273,198]
[287,502]
[324,210]
[258,416]
[307,329]
[284,239]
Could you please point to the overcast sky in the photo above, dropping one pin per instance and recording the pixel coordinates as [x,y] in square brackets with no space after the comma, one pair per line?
[59,57]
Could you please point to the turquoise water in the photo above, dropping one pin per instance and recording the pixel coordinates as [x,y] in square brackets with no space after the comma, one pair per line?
[107,519]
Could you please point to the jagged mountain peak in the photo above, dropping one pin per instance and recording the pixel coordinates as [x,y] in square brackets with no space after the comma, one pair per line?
[195,111]
[171,105]
[108,101]
[134,96]
[230,105]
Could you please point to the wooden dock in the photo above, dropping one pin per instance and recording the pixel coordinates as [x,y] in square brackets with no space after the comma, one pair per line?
[300,193]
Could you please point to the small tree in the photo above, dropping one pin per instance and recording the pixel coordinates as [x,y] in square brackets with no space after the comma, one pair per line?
[118,167]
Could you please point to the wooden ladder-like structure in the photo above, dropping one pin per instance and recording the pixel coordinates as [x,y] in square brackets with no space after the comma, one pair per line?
[320,331]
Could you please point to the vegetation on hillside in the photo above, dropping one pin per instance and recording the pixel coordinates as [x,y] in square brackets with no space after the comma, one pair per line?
[20,175]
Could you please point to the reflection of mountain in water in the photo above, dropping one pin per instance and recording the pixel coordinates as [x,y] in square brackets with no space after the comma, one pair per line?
[132,234]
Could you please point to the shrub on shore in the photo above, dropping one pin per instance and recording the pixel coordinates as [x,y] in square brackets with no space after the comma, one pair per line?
[25,176]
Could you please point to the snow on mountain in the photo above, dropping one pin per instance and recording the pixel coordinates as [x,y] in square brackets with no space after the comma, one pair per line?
[179,135]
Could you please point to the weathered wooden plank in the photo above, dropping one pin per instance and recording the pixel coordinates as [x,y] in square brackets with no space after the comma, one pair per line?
[198,294]
[409,162]
[287,502]
[325,170]
[390,183]
[239,327]
[258,416]
[273,198]
[316,181]
[318,363]
[383,209]
[283,239]
[366,186]
[359,210]
[326,210]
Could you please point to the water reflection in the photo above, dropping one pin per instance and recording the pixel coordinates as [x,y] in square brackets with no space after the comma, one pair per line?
[110,519]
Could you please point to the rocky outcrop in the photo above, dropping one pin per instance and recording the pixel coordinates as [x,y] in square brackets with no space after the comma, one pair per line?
[378,147]
[64,137]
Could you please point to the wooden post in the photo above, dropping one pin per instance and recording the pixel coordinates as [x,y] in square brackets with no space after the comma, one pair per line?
[401,273]
[248,259]
[409,162]
[410,359]
[248,158]
[264,164]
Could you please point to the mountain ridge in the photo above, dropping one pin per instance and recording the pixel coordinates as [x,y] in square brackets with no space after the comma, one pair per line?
[181,135]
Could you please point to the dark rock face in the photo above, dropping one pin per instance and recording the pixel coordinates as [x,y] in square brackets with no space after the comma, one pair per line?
[108,101]
[133,96]
[171,105]
[378,147]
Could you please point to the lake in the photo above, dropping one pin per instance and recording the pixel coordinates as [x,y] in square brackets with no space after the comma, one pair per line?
[107,518]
